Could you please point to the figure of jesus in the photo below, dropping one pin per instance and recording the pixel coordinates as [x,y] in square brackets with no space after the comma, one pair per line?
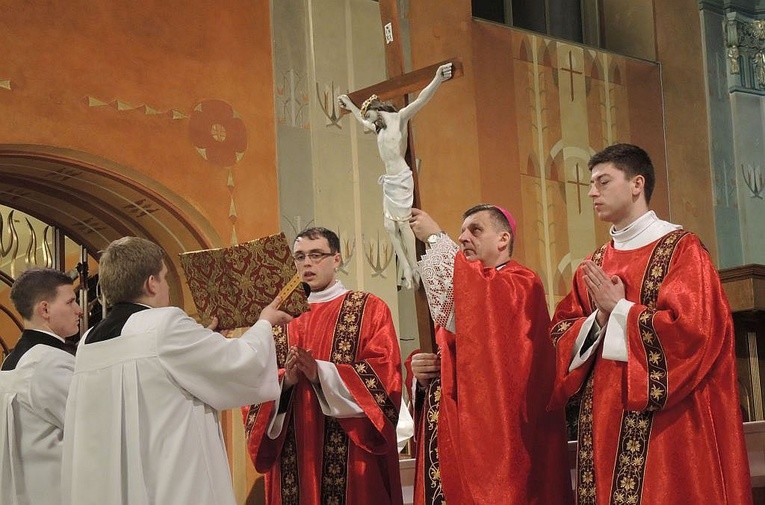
[390,126]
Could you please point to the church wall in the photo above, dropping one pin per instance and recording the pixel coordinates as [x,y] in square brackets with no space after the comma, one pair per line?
[494,121]
[724,170]
[120,80]
[737,128]
[679,49]
[328,166]
[748,134]
[627,28]
[446,132]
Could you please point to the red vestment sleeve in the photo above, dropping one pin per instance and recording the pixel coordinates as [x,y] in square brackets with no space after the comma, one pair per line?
[264,451]
[681,337]
[374,380]
[569,316]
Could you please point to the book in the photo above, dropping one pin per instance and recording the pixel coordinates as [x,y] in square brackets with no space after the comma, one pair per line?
[235,283]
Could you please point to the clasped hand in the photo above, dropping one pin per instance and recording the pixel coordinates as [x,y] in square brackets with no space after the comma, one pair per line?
[606,291]
[299,361]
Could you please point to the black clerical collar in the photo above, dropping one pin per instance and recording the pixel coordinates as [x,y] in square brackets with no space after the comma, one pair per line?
[29,339]
[111,326]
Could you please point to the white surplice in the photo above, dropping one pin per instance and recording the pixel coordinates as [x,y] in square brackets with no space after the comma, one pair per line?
[143,411]
[32,405]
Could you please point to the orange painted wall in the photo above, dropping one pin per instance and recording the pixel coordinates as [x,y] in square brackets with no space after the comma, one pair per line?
[679,48]
[496,110]
[446,131]
[168,55]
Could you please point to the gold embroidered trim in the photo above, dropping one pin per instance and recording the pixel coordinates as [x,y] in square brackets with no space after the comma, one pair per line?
[282,344]
[627,487]
[597,258]
[252,414]
[560,328]
[280,339]
[290,477]
[344,351]
[334,467]
[656,359]
[585,458]
[635,432]
[432,470]
[334,475]
[347,327]
[375,387]
[289,483]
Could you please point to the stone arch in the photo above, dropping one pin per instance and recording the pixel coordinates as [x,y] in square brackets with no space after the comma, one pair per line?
[94,201]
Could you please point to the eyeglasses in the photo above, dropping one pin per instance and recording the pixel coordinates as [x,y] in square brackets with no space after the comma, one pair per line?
[315,257]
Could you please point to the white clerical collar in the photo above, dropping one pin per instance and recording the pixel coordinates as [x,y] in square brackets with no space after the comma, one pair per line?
[49,333]
[327,294]
[635,228]
[642,231]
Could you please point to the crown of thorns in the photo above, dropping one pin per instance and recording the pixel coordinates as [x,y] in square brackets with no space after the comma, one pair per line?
[366,104]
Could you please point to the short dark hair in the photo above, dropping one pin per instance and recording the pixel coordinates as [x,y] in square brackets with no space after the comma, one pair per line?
[497,218]
[125,265]
[318,232]
[631,160]
[36,285]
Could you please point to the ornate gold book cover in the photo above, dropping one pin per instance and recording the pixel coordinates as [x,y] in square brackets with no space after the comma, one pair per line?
[235,283]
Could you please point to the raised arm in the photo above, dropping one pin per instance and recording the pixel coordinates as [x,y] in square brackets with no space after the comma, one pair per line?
[347,104]
[443,73]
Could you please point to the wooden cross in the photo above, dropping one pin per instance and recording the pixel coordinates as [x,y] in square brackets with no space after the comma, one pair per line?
[578,182]
[395,89]
[571,72]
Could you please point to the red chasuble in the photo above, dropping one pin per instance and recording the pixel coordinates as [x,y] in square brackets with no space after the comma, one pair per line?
[497,442]
[318,459]
[664,427]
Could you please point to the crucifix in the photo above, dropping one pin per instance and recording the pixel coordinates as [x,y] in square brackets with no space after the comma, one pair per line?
[395,89]
[391,126]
